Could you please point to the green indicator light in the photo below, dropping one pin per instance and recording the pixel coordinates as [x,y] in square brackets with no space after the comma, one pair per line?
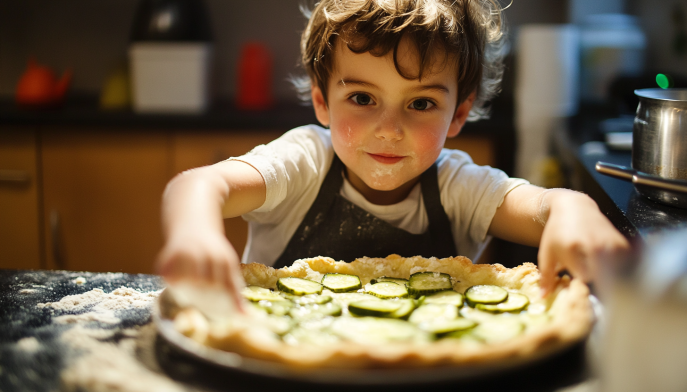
[664,81]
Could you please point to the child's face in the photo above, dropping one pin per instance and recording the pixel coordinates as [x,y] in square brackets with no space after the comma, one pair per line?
[386,129]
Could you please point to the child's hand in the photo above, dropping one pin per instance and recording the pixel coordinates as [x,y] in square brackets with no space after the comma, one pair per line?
[571,232]
[203,256]
[576,237]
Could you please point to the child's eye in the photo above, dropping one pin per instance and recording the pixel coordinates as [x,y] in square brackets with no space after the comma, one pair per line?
[362,99]
[421,104]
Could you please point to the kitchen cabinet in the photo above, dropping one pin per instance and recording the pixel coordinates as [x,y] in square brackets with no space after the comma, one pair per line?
[194,149]
[101,198]
[20,243]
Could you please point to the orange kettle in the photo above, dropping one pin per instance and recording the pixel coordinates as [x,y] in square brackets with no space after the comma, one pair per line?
[39,86]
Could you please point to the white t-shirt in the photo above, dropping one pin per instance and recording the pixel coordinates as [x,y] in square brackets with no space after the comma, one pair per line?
[295,165]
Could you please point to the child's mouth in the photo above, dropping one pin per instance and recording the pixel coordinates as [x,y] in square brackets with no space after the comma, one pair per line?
[388,159]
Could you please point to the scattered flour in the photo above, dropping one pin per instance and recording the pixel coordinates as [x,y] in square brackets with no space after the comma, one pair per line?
[128,365]
[101,306]
[80,280]
[27,291]
[29,344]
[113,358]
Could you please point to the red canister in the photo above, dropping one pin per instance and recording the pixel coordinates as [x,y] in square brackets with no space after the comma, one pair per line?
[255,77]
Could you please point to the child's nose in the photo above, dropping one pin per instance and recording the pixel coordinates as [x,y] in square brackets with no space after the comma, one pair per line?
[389,127]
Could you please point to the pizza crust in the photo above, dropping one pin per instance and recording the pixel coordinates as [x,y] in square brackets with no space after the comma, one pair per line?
[568,306]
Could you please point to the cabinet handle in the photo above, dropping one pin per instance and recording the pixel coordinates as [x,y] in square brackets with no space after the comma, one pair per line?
[14,176]
[55,233]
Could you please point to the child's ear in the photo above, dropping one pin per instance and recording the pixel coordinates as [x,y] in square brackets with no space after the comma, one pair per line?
[461,115]
[320,105]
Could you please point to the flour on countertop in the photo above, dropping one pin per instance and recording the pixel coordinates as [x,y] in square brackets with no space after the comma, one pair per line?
[127,365]
[80,280]
[104,356]
[29,344]
[101,306]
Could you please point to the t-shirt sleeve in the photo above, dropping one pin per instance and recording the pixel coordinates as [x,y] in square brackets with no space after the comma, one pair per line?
[293,167]
[470,194]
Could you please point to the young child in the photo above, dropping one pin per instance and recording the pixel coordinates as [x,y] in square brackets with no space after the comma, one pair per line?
[391,80]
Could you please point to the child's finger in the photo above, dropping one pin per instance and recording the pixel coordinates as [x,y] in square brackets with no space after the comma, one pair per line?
[547,269]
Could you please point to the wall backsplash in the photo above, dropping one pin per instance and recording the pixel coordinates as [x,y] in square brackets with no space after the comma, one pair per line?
[92,37]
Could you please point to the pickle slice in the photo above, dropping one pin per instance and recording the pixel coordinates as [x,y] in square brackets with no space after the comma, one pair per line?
[486,294]
[387,290]
[515,303]
[341,283]
[298,286]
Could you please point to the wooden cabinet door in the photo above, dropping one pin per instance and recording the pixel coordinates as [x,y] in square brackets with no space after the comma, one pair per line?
[194,149]
[19,207]
[102,192]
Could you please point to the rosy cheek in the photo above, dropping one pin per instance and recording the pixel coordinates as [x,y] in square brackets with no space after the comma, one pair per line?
[430,141]
[346,133]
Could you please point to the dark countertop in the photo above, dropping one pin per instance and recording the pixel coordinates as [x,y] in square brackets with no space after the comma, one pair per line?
[125,354]
[633,214]
[579,145]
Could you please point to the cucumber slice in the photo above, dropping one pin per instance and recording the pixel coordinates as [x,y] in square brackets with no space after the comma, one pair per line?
[309,299]
[298,286]
[341,283]
[387,290]
[279,324]
[423,283]
[257,293]
[374,308]
[442,327]
[370,330]
[498,330]
[277,308]
[433,312]
[344,299]
[445,297]
[515,303]
[486,294]
[400,281]
[315,311]
[407,307]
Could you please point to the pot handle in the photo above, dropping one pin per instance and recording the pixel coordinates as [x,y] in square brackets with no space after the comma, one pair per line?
[661,183]
[615,171]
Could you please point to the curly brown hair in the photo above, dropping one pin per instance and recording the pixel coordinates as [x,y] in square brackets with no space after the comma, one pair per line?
[470,33]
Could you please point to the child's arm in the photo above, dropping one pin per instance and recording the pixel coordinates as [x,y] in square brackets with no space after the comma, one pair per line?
[567,226]
[193,207]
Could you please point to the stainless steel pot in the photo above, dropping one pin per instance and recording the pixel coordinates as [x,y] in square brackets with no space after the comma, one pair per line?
[659,146]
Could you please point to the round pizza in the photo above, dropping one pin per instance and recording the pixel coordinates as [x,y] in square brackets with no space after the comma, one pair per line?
[395,312]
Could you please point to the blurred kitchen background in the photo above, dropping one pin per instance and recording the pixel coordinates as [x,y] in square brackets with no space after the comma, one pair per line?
[92,126]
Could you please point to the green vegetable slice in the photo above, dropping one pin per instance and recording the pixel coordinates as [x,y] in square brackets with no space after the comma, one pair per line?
[400,281]
[442,327]
[498,330]
[298,286]
[374,308]
[277,308]
[433,312]
[307,299]
[341,283]
[515,302]
[314,311]
[387,290]
[423,283]
[486,294]
[371,330]
[256,293]
[407,307]
[445,297]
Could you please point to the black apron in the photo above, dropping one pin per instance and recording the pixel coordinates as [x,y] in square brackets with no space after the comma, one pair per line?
[339,229]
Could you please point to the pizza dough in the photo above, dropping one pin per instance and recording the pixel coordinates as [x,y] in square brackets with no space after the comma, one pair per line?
[567,312]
